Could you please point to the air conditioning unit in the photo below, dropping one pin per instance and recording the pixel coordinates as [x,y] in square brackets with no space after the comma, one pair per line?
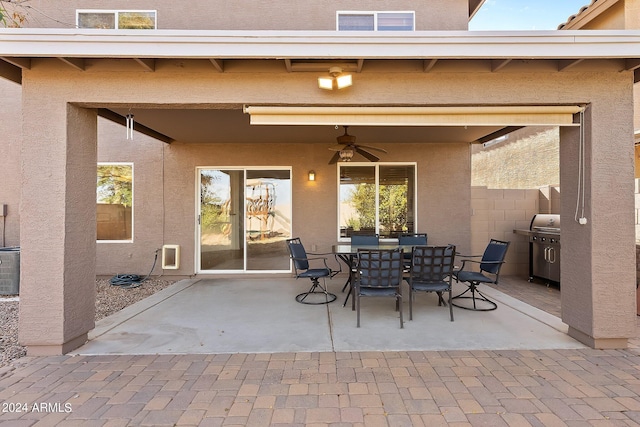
[9,271]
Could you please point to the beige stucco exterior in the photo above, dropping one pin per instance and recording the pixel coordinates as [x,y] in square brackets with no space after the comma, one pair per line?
[443,177]
[11,133]
[63,138]
[252,15]
[606,15]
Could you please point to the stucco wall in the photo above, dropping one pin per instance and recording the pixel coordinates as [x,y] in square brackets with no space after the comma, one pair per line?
[255,15]
[613,18]
[444,206]
[59,103]
[637,210]
[636,113]
[146,154]
[11,137]
[165,193]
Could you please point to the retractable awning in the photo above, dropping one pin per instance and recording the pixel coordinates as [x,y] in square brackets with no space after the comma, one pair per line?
[556,115]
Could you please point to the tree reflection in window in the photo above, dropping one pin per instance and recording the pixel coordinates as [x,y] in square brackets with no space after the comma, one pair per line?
[114,197]
[377,199]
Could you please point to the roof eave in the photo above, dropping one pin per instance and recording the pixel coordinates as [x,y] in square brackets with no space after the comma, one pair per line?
[586,14]
[474,6]
[330,44]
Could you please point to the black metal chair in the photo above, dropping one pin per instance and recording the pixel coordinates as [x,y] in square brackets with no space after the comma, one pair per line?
[417,239]
[490,265]
[302,269]
[360,240]
[379,274]
[365,240]
[431,271]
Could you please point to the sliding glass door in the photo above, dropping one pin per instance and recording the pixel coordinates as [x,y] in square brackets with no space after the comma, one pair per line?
[244,219]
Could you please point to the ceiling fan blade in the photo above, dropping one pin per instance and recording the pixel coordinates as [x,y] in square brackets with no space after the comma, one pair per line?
[337,147]
[368,147]
[335,158]
[367,155]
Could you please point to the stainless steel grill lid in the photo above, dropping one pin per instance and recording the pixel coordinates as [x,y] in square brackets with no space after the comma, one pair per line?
[549,223]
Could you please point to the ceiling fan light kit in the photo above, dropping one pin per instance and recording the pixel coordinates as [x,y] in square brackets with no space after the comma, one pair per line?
[346,154]
[347,147]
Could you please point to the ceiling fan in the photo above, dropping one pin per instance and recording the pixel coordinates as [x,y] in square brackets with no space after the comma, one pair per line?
[347,147]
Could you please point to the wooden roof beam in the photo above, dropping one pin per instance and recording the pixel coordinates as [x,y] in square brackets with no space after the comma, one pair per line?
[147,64]
[77,63]
[218,64]
[24,63]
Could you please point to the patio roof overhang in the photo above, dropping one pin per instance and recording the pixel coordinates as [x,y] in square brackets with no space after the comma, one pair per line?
[311,51]
[306,50]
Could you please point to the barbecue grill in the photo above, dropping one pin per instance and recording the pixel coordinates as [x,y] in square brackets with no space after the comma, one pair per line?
[544,247]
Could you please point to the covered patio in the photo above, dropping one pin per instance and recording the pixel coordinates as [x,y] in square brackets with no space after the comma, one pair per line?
[251,315]
[480,80]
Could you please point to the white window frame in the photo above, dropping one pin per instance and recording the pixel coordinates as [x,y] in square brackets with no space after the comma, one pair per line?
[116,13]
[132,201]
[375,17]
[198,229]
[376,166]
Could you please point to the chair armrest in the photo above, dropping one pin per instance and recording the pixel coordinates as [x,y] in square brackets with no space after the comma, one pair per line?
[324,261]
[319,255]
[482,262]
[314,258]
[464,261]
[458,254]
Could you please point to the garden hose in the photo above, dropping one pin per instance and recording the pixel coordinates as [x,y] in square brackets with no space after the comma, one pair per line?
[128,281]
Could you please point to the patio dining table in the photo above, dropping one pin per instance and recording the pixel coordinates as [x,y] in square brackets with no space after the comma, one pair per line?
[346,252]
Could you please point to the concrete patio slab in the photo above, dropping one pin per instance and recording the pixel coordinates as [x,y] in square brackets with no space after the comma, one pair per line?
[260,315]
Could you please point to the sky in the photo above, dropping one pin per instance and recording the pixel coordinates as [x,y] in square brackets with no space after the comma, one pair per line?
[524,14]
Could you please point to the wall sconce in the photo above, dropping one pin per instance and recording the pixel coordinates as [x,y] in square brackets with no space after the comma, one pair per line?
[312,176]
[336,81]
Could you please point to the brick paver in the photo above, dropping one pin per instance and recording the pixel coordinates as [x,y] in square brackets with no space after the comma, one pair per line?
[493,388]
[581,387]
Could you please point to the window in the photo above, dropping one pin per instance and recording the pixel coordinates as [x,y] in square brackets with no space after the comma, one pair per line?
[376,199]
[114,197]
[376,21]
[116,19]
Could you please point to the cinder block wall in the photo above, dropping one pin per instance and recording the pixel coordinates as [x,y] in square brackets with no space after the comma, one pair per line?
[495,214]
[549,199]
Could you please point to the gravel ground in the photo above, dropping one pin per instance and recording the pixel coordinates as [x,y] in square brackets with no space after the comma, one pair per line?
[109,299]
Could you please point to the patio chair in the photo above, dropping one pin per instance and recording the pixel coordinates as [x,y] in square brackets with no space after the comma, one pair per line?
[365,240]
[431,271]
[302,269]
[379,274]
[417,239]
[360,240]
[489,265]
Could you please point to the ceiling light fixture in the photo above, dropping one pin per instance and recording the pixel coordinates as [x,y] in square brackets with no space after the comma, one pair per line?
[336,81]
[346,154]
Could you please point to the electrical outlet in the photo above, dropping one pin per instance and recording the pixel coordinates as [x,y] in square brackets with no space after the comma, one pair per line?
[3,210]
[582,221]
